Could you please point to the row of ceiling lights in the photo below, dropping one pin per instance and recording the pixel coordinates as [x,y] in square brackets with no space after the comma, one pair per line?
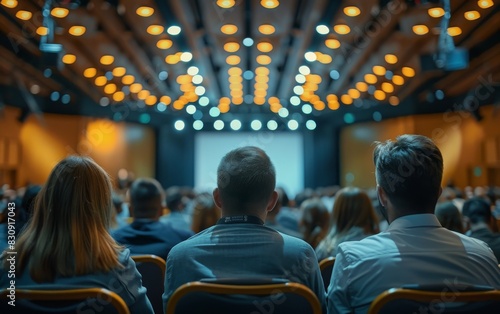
[255,125]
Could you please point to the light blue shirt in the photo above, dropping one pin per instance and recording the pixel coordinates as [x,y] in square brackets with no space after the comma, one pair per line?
[415,249]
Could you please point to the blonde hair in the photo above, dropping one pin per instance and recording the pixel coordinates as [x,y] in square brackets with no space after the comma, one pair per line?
[68,233]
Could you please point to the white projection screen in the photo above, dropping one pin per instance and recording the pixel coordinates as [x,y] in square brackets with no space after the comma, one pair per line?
[285,150]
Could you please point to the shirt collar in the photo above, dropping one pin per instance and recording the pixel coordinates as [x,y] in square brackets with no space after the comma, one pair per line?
[412,221]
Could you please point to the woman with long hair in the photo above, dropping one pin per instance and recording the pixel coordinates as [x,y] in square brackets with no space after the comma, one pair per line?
[353,218]
[66,242]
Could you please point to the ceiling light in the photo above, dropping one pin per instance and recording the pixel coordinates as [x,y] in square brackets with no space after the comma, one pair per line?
[472,15]
[379,95]
[164,44]
[90,72]
[155,29]
[179,125]
[354,93]
[151,100]
[264,46]
[263,59]
[398,80]
[352,11]
[229,29]
[59,12]
[484,4]
[362,86]
[233,60]
[420,29]
[325,59]
[322,29]
[110,88]
[304,70]
[387,87]
[9,3]
[334,105]
[23,15]
[454,31]
[100,81]
[77,30]
[107,59]
[231,46]
[408,72]
[310,56]
[69,58]
[234,71]
[332,43]
[341,29]
[370,78]
[186,56]
[272,125]
[119,96]
[119,72]
[199,90]
[174,30]
[436,12]
[262,71]
[256,125]
[235,125]
[172,59]
[269,4]
[144,11]
[42,31]
[394,100]
[379,70]
[293,125]
[391,59]
[248,42]
[225,4]
[128,79]
[266,29]
[143,94]
[218,125]
[135,88]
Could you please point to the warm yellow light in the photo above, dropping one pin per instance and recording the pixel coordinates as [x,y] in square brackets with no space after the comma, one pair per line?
[233,60]
[77,30]
[346,99]
[262,79]
[379,70]
[110,88]
[166,100]
[379,95]
[135,88]
[420,29]
[69,58]
[484,4]
[155,29]
[362,86]
[164,44]
[352,11]
[269,4]
[119,96]
[354,93]
[59,12]
[266,29]
[9,3]
[472,15]
[42,31]
[331,98]
[436,12]
[391,59]
[370,78]
[454,31]
[23,15]
[90,72]
[263,59]
[225,4]
[127,79]
[184,79]
[408,72]
[261,71]
[394,100]
[237,100]
[332,43]
[333,105]
[178,104]
[143,94]
[173,59]
[236,93]
[387,87]
[260,93]
[234,71]
[325,59]
[151,100]
[231,46]
[107,59]
[319,105]
[100,81]
[144,11]
[341,29]
[119,72]
[398,80]
[264,46]
[313,78]
[235,79]
[229,29]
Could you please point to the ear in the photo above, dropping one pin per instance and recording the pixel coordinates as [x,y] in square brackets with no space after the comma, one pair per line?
[382,196]
[216,195]
[272,201]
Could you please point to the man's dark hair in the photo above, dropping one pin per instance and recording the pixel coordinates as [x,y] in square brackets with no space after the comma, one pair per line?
[409,170]
[246,179]
[477,210]
[146,196]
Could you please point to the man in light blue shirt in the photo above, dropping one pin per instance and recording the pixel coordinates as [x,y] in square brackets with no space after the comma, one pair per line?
[415,249]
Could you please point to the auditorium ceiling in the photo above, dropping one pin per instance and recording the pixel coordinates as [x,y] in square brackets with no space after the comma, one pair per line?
[248,64]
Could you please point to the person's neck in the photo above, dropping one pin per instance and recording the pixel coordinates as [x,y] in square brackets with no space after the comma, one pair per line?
[402,213]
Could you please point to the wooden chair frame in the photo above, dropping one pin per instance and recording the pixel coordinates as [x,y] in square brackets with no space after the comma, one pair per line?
[150,258]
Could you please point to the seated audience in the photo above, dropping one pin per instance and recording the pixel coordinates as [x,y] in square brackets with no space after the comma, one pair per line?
[205,213]
[176,204]
[353,219]
[477,212]
[117,221]
[272,217]
[240,245]
[415,249]
[146,235]
[449,216]
[315,221]
[66,243]
[287,216]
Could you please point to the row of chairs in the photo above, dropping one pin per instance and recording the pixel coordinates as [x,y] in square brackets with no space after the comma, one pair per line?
[230,297]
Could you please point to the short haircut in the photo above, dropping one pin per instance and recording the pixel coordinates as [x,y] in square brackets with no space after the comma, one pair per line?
[410,171]
[449,216]
[477,209]
[246,179]
[146,196]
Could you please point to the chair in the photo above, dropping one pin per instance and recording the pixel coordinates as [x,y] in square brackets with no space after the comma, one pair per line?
[84,300]
[326,267]
[444,300]
[152,269]
[197,297]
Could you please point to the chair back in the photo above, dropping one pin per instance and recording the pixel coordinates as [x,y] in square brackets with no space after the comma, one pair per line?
[67,301]
[445,300]
[326,267]
[152,269]
[281,298]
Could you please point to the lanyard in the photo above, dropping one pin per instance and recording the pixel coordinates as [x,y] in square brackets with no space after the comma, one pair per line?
[242,219]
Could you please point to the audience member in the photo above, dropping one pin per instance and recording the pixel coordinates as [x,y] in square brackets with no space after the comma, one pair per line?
[117,221]
[449,216]
[272,220]
[176,203]
[415,249]
[315,221]
[353,219]
[481,223]
[146,235]
[205,212]
[239,245]
[288,217]
[67,244]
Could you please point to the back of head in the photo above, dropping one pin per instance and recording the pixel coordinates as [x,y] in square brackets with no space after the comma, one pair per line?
[146,197]
[175,199]
[353,208]
[409,170]
[205,213]
[315,221]
[449,216]
[246,179]
[477,209]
